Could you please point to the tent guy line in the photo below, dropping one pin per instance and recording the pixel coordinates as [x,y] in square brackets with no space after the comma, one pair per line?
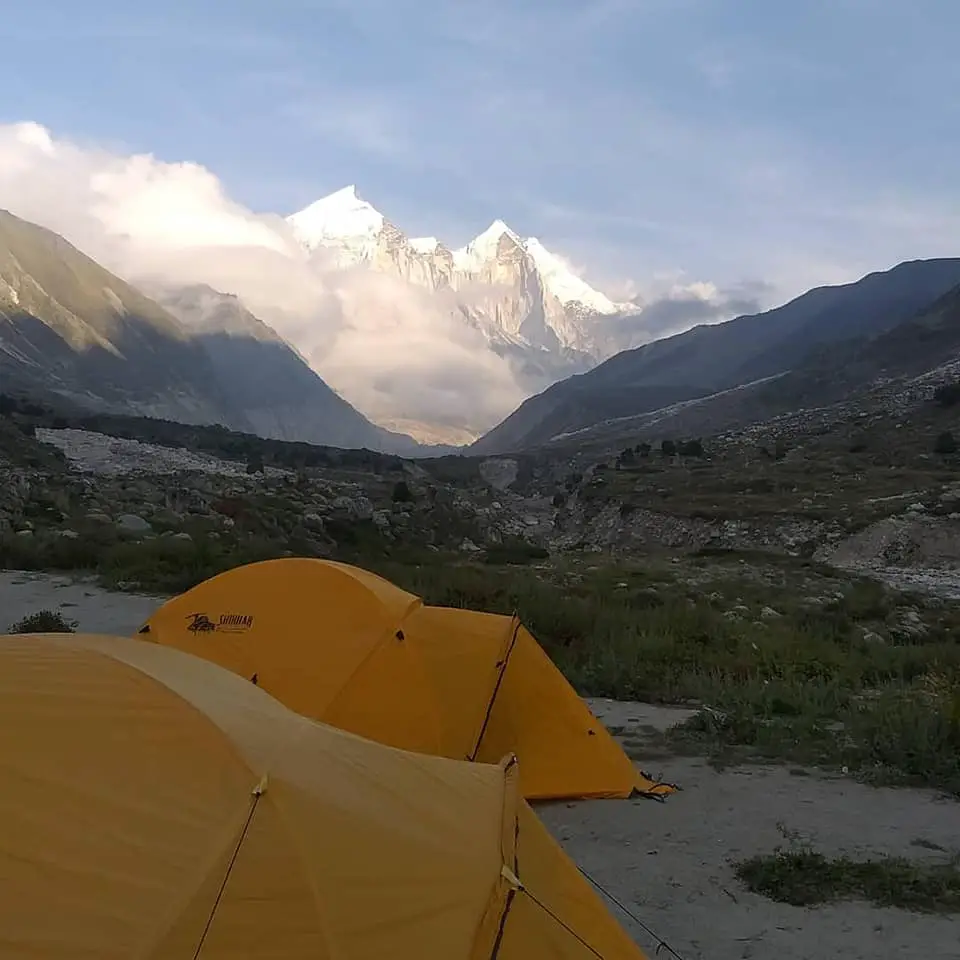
[573,933]
[254,803]
[660,942]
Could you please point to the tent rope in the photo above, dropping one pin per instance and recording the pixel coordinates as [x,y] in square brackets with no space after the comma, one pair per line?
[573,933]
[257,794]
[660,942]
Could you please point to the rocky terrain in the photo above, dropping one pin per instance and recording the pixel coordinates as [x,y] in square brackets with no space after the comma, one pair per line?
[823,485]
[112,479]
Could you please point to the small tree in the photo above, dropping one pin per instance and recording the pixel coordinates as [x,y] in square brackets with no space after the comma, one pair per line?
[643,449]
[691,448]
[945,444]
[947,394]
[668,448]
[402,492]
[44,621]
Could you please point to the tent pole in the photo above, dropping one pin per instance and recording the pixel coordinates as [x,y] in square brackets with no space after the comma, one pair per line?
[502,665]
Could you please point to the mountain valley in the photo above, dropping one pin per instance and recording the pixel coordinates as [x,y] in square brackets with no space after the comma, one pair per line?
[190,353]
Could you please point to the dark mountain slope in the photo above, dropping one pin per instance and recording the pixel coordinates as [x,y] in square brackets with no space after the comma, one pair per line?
[68,326]
[928,343]
[708,359]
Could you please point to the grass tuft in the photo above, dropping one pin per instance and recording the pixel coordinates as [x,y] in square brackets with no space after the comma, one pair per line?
[805,878]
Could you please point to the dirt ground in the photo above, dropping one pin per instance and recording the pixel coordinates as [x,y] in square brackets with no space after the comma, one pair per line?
[670,862]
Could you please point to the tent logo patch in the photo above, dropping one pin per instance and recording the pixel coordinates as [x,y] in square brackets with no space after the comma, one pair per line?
[227,623]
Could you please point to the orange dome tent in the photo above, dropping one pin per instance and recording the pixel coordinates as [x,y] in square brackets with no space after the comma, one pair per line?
[155,805]
[347,647]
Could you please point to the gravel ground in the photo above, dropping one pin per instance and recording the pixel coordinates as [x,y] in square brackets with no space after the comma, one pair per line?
[670,862]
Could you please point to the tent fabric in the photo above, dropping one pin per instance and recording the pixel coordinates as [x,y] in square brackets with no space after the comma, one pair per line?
[345,646]
[158,806]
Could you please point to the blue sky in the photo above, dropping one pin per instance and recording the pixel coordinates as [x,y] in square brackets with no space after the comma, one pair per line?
[733,140]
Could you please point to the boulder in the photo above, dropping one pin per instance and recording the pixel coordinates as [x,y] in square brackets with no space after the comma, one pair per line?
[129,524]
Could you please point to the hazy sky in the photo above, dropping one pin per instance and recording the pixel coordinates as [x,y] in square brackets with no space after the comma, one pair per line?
[724,140]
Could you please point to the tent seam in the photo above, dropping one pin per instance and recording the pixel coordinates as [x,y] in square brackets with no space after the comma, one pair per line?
[332,952]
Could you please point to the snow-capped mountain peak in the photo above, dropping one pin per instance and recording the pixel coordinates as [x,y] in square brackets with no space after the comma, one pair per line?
[491,236]
[515,291]
[341,219]
[484,247]
[563,283]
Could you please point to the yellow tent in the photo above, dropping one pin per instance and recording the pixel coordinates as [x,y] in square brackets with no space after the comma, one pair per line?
[347,647]
[157,806]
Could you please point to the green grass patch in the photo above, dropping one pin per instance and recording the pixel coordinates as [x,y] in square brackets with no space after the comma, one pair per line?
[805,878]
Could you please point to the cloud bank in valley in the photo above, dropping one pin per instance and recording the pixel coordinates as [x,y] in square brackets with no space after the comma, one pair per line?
[400,354]
[393,351]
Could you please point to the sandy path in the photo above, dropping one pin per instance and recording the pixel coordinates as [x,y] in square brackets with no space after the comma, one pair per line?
[669,862]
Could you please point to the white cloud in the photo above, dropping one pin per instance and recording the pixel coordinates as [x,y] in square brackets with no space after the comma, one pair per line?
[392,351]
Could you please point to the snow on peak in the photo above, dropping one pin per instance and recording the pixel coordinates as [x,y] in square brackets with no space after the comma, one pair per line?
[490,238]
[340,219]
[563,283]
[425,245]
[483,248]
[558,277]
